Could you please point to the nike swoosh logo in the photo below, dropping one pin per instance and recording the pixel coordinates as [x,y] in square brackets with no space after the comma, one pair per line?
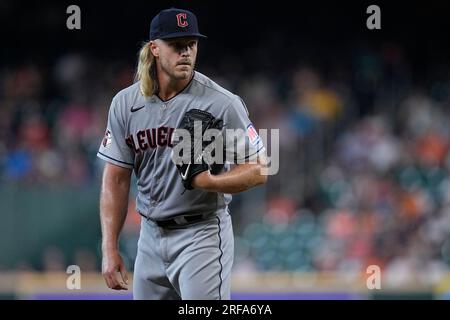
[184,176]
[133,109]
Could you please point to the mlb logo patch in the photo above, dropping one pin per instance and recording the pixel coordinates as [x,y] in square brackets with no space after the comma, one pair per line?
[107,139]
[252,134]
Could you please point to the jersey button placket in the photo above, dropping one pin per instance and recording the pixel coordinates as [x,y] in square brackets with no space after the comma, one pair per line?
[163,108]
[154,202]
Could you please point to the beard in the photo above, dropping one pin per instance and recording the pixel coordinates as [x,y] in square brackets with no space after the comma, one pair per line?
[178,72]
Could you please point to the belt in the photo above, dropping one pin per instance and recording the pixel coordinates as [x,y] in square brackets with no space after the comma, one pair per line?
[180,221]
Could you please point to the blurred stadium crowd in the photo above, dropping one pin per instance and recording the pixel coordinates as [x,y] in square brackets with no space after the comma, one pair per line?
[364,156]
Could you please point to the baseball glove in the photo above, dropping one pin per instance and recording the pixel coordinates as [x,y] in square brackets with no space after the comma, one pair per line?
[191,122]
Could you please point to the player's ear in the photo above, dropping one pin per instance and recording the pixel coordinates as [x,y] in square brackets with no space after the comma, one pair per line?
[154,48]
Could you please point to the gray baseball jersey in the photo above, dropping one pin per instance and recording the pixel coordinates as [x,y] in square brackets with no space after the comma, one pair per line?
[139,136]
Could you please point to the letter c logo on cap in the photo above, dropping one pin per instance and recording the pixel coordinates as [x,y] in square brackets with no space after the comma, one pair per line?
[182,20]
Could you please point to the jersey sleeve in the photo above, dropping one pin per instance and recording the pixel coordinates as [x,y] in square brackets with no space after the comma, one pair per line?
[113,148]
[242,142]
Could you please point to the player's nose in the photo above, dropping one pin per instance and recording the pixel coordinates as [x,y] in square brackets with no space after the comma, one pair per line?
[185,51]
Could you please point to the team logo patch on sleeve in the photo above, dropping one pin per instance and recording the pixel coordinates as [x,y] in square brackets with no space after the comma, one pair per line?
[252,134]
[107,139]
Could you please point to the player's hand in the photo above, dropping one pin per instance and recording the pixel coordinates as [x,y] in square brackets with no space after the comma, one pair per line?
[114,271]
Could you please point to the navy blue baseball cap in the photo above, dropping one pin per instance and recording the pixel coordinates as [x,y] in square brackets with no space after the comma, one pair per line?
[174,23]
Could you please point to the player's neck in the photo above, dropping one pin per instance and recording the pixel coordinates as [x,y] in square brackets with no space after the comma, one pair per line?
[169,87]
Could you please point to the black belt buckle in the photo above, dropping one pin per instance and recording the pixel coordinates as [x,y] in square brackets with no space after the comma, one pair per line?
[179,221]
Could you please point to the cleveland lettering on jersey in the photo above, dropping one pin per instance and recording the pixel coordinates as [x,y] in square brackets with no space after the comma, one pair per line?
[150,139]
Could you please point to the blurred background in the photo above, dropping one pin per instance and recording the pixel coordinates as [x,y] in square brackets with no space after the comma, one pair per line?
[364,143]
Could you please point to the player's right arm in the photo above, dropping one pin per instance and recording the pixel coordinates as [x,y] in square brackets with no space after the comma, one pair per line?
[113,211]
[114,193]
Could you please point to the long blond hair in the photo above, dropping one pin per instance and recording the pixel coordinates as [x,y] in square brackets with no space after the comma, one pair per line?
[146,71]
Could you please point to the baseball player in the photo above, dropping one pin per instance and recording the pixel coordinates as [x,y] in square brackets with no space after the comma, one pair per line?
[185,247]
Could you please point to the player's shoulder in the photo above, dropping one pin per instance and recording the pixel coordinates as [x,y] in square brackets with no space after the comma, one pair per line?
[127,97]
[210,87]
[221,96]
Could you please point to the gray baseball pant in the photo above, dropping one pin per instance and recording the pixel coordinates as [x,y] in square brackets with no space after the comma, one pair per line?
[190,262]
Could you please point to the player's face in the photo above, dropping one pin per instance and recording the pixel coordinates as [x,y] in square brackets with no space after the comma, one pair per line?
[177,57]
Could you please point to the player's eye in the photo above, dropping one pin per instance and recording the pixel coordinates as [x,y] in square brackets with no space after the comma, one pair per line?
[178,45]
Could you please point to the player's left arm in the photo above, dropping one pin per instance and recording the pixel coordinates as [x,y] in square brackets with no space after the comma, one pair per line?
[247,150]
[240,178]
